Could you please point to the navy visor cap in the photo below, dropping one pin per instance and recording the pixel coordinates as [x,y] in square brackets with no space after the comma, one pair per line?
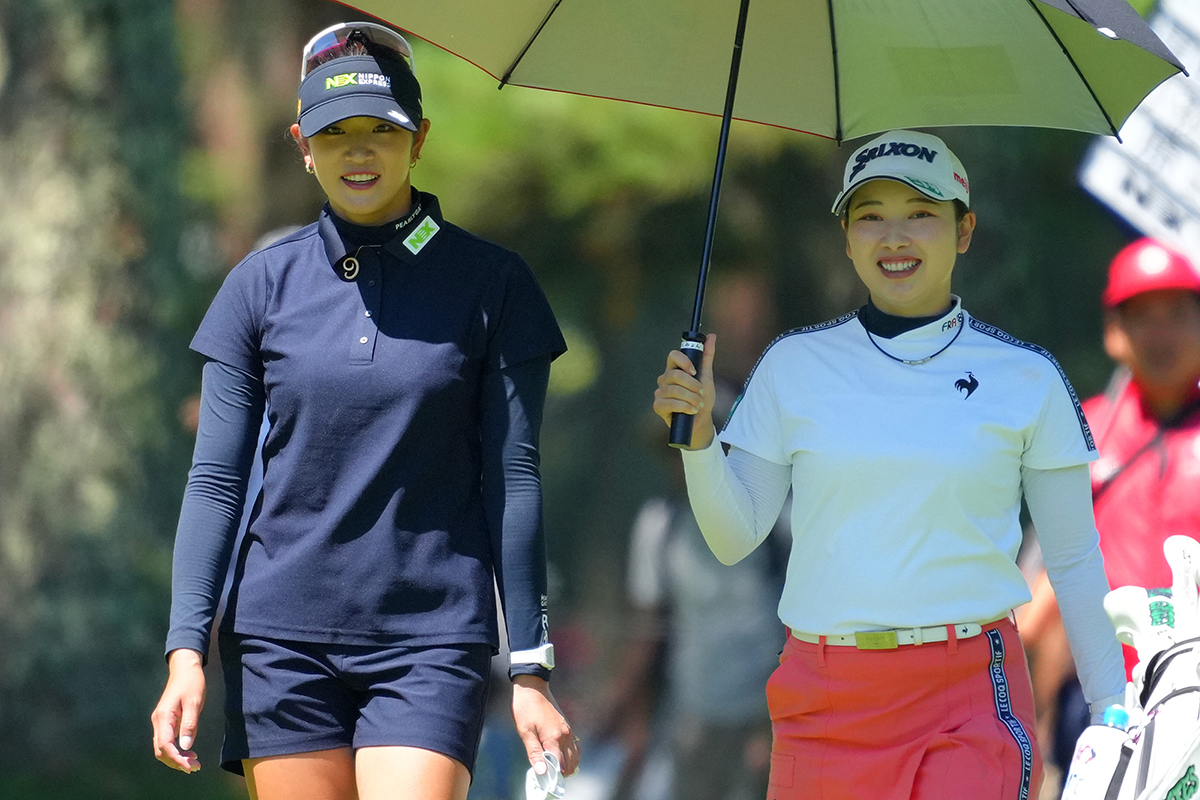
[359,86]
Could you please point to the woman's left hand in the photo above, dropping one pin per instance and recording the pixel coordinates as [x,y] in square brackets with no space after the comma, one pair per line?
[541,725]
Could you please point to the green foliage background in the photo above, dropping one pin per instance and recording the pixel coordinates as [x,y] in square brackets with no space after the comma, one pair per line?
[143,150]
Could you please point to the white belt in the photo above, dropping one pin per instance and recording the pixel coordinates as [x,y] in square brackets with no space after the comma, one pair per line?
[890,640]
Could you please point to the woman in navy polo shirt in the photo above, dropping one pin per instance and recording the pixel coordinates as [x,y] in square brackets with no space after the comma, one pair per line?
[403,363]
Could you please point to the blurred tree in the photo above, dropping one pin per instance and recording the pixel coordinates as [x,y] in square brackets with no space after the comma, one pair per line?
[88,238]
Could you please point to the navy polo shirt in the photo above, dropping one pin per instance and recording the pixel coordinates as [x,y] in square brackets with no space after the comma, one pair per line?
[370,527]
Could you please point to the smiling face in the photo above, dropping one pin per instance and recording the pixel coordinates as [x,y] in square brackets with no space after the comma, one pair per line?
[364,165]
[903,245]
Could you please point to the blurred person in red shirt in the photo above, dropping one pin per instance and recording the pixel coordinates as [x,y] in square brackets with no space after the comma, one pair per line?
[1146,483]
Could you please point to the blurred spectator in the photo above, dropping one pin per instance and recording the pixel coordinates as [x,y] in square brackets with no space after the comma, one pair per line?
[1146,484]
[688,704]
[703,642]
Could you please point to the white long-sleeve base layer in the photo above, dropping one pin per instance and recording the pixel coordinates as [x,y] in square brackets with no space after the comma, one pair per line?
[737,498]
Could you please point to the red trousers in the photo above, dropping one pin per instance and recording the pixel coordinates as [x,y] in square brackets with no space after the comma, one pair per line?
[935,721]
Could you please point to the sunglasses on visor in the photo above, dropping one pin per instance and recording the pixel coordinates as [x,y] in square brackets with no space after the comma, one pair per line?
[368,33]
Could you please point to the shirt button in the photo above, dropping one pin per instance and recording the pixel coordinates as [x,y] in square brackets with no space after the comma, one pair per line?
[363,340]
[372,283]
[368,313]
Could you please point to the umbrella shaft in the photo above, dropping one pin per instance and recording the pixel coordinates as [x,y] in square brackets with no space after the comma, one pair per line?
[722,146]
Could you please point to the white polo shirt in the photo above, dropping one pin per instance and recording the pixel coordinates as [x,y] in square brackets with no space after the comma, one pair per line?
[906,477]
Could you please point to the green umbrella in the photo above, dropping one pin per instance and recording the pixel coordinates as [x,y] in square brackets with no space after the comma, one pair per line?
[835,68]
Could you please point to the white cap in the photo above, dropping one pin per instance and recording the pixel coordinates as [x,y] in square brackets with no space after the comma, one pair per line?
[920,160]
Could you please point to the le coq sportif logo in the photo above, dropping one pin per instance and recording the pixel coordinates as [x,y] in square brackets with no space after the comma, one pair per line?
[968,385]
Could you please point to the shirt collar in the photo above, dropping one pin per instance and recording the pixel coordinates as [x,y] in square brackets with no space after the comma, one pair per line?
[415,237]
[944,326]
[887,326]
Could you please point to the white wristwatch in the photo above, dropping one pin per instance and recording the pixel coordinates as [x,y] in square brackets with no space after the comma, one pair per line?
[542,656]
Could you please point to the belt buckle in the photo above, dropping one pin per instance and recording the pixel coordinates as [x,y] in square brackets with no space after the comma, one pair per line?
[876,640]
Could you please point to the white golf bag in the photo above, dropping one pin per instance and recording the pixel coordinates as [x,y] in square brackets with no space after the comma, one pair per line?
[1150,750]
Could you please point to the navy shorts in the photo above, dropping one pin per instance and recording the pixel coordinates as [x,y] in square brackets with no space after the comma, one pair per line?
[284,697]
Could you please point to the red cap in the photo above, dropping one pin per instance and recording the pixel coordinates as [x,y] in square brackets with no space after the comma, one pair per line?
[1147,265]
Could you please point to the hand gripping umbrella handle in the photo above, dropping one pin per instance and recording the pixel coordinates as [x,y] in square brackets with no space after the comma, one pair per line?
[693,340]
[681,424]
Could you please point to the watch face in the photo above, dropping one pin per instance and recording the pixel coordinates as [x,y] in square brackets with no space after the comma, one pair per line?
[542,656]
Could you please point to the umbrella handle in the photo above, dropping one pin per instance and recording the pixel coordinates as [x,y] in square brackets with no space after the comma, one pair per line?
[681,424]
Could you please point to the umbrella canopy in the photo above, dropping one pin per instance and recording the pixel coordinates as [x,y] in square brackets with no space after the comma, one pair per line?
[835,68]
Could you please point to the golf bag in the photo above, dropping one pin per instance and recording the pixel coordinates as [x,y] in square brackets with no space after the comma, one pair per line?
[1150,750]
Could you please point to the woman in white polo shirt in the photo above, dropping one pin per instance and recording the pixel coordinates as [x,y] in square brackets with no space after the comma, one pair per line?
[908,432]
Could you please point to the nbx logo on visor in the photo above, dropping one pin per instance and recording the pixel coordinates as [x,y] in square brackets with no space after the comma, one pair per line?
[357,79]
[891,149]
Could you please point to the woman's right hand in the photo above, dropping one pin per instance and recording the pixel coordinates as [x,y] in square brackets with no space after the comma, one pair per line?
[177,714]
[681,390]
